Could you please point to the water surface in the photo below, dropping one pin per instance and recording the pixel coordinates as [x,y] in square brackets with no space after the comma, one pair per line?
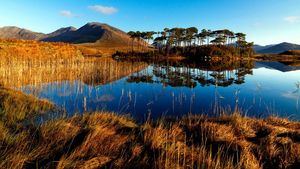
[174,89]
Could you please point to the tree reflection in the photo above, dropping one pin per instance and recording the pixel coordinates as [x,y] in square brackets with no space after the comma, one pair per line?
[181,74]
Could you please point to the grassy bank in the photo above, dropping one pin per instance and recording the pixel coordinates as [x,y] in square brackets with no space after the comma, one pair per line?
[192,53]
[107,140]
[17,107]
[288,57]
[38,53]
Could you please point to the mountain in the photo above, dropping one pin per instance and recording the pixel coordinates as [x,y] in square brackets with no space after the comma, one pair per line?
[93,33]
[279,48]
[259,47]
[12,32]
[60,31]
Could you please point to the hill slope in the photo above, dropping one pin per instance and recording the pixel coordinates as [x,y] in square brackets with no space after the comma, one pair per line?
[259,47]
[94,34]
[93,39]
[60,31]
[279,48]
[12,32]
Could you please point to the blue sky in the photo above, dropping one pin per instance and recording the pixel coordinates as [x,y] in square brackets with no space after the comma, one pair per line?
[264,21]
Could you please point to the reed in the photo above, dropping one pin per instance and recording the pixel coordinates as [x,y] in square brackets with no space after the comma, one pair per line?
[16,106]
[108,140]
[94,71]
[20,52]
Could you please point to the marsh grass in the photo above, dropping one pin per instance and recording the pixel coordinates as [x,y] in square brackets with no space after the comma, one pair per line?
[107,140]
[16,106]
[20,52]
[92,71]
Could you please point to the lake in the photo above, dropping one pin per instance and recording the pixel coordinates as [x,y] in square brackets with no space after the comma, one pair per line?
[164,88]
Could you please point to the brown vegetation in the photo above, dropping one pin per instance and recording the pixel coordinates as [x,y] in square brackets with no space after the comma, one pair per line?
[16,106]
[31,63]
[13,51]
[192,53]
[93,71]
[287,59]
[105,140]
[18,51]
[291,52]
[107,51]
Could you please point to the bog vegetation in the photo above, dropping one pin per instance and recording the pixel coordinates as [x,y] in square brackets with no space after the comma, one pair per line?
[89,71]
[38,53]
[107,140]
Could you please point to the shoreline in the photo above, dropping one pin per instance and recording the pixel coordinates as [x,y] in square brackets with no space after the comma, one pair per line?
[105,139]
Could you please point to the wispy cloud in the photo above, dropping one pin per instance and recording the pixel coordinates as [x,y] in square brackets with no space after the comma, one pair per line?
[106,10]
[67,14]
[292,19]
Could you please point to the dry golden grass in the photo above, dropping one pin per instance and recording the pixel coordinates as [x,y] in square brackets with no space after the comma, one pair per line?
[106,140]
[107,49]
[34,63]
[90,51]
[39,53]
[12,50]
[16,106]
[93,71]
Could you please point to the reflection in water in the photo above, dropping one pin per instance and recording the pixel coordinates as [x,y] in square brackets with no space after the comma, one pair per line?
[188,75]
[163,88]
[91,71]
[294,95]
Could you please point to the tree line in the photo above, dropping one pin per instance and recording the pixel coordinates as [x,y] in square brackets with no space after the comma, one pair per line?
[185,37]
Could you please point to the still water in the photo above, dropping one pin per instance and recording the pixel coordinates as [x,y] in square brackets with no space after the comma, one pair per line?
[257,89]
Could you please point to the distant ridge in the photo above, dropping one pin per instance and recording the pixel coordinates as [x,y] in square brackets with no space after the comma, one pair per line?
[259,47]
[276,49]
[60,31]
[12,32]
[93,33]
